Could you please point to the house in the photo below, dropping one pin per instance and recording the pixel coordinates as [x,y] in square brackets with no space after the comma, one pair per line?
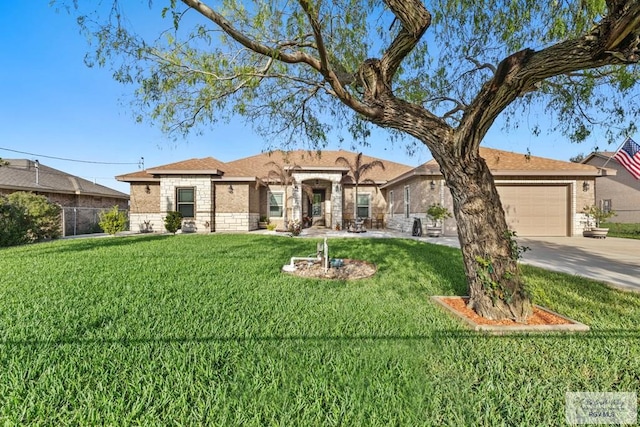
[619,192]
[540,196]
[80,199]
[234,196]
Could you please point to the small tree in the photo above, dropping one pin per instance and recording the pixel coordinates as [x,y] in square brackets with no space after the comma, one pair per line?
[598,214]
[173,221]
[437,212]
[113,221]
[14,224]
[43,216]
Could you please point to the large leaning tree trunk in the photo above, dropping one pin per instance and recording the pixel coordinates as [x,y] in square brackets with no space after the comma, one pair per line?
[282,61]
[496,290]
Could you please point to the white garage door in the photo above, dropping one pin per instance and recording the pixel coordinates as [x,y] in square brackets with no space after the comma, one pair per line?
[536,210]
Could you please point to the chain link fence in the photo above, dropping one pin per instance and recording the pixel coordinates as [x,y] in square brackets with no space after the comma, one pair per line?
[81,220]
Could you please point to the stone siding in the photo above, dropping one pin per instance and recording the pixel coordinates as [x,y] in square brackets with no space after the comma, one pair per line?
[202,220]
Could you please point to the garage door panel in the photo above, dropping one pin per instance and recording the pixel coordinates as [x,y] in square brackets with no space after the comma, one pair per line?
[536,210]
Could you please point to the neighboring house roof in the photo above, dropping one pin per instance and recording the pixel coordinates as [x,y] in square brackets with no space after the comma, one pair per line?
[506,163]
[256,167]
[22,175]
[601,154]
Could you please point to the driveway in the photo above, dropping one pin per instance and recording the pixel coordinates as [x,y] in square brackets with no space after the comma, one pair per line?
[611,260]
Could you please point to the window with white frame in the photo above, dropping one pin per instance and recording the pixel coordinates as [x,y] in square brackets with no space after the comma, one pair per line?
[364,205]
[391,204]
[407,201]
[276,205]
[186,201]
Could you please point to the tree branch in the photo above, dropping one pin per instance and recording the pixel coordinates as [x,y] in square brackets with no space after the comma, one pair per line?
[523,71]
[243,39]
[415,20]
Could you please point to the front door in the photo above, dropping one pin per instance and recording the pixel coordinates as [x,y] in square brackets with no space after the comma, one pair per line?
[317,206]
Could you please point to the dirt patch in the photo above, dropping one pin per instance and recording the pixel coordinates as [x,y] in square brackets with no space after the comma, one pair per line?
[351,269]
[539,317]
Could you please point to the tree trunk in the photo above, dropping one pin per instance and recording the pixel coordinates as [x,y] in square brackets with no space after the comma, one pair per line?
[490,256]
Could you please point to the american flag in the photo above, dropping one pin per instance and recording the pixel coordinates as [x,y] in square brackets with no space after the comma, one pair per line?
[629,157]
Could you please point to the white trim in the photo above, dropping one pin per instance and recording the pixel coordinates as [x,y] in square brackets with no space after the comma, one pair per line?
[406,196]
[269,194]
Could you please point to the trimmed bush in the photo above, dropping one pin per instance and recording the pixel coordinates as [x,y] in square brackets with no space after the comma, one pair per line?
[14,224]
[113,221]
[173,221]
[43,216]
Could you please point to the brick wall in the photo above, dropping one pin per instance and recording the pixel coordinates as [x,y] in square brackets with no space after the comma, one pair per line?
[145,197]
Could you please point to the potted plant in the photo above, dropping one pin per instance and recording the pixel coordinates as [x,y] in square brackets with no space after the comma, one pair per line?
[264,221]
[437,213]
[595,217]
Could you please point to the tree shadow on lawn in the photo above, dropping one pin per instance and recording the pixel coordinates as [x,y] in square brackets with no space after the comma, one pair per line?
[437,335]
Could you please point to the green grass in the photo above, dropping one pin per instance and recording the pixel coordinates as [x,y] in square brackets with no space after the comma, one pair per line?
[627,231]
[205,330]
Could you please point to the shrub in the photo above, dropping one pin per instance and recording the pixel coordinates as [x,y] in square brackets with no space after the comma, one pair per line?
[598,215]
[437,212]
[173,221]
[113,221]
[14,224]
[43,216]
[295,227]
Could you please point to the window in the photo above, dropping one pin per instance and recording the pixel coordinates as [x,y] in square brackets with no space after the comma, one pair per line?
[185,202]
[391,202]
[364,204]
[276,207]
[406,202]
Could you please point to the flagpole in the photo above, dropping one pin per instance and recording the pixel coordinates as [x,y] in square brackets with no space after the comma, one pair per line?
[615,152]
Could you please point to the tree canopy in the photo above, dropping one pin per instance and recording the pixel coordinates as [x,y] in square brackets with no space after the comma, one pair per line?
[291,68]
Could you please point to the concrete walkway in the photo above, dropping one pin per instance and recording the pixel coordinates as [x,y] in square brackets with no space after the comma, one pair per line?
[611,260]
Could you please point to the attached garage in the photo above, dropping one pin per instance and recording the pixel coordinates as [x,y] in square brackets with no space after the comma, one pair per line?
[537,210]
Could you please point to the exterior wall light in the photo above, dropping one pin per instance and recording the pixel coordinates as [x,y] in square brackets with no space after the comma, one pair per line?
[585,186]
[432,184]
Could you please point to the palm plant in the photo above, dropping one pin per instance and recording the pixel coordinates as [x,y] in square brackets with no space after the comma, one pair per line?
[283,174]
[357,171]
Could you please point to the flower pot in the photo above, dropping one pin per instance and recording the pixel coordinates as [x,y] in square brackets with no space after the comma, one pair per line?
[434,231]
[596,233]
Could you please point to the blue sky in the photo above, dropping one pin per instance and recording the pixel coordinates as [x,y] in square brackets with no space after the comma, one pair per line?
[52,105]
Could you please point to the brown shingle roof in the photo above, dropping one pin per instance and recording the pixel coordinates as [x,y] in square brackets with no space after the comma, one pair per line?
[500,161]
[507,163]
[206,166]
[257,165]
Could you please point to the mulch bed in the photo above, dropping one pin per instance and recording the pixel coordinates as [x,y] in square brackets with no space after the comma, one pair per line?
[352,269]
[539,317]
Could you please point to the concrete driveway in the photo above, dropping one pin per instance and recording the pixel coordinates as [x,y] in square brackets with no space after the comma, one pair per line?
[611,260]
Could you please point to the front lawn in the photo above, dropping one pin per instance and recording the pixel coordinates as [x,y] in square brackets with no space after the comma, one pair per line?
[205,330]
[627,231]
